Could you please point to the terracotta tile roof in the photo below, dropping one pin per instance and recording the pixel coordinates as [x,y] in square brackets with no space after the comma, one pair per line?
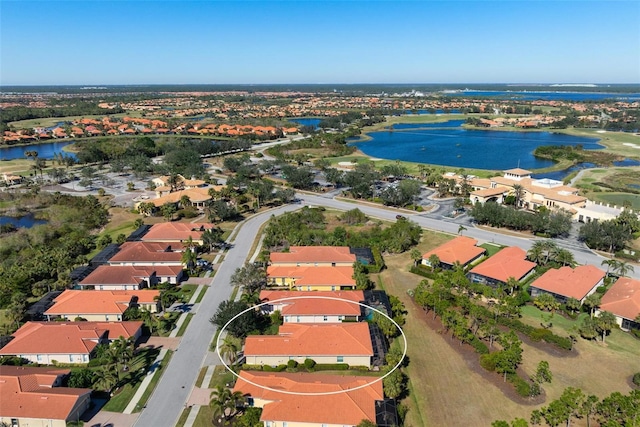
[462,249]
[148,251]
[314,276]
[518,172]
[348,408]
[53,338]
[72,302]
[295,339]
[117,275]
[623,299]
[488,192]
[196,195]
[169,231]
[509,262]
[570,282]
[27,392]
[314,305]
[308,254]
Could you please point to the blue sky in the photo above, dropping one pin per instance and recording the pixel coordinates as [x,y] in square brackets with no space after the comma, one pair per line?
[227,42]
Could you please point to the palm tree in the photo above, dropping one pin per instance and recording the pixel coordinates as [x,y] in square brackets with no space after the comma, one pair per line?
[250,298]
[185,201]
[605,322]
[434,261]
[623,268]
[565,257]
[106,379]
[610,263]
[461,228]
[592,301]
[537,252]
[189,258]
[230,348]
[416,256]
[518,191]
[225,404]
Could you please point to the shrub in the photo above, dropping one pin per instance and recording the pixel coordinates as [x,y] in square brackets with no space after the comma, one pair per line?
[279,368]
[424,272]
[488,362]
[636,379]
[522,387]
[479,346]
[292,364]
[332,367]
[309,364]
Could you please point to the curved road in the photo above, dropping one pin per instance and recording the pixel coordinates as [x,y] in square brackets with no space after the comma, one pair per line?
[171,393]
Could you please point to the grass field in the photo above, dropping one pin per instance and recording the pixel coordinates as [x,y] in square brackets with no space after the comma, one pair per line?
[447,391]
[617,199]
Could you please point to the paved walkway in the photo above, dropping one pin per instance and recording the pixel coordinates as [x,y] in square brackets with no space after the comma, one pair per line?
[133,403]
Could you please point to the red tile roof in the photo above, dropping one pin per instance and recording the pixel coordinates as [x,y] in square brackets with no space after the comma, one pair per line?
[27,392]
[509,262]
[570,282]
[295,339]
[623,299]
[148,251]
[342,408]
[170,231]
[66,337]
[462,249]
[72,302]
[310,254]
[314,303]
[117,275]
[314,276]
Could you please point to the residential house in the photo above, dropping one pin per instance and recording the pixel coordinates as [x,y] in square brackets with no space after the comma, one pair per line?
[176,232]
[33,396]
[101,305]
[508,262]
[462,249]
[148,254]
[348,343]
[311,278]
[314,307]
[299,256]
[623,300]
[66,342]
[11,179]
[567,282]
[121,277]
[314,400]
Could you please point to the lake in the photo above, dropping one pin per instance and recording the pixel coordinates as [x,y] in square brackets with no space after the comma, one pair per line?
[26,221]
[449,144]
[45,150]
[307,122]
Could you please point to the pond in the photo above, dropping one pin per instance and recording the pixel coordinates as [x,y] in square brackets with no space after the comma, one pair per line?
[449,144]
[45,150]
[26,221]
[307,122]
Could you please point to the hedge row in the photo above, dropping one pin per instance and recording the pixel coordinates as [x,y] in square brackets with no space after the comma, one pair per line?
[317,367]
[537,334]
[479,345]
[424,272]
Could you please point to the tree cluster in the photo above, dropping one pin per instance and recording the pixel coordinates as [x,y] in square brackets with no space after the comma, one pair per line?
[545,222]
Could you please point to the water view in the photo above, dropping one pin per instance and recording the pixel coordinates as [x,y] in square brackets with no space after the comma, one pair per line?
[449,144]
[547,95]
[26,221]
[45,151]
[307,122]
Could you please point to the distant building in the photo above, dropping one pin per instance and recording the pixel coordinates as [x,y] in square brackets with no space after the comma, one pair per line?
[315,306]
[462,249]
[567,282]
[508,262]
[101,305]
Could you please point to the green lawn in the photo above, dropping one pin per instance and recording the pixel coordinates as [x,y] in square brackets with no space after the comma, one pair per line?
[617,199]
[201,294]
[154,381]
[119,402]
[184,325]
[491,248]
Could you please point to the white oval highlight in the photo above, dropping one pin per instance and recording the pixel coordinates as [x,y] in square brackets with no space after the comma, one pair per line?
[404,352]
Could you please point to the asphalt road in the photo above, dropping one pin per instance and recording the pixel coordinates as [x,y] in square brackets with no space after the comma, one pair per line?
[168,400]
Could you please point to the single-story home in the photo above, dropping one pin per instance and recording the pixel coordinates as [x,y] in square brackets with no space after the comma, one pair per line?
[316,400]
[33,396]
[566,282]
[462,249]
[623,300]
[314,307]
[101,305]
[149,253]
[507,263]
[66,342]
[121,277]
[331,343]
[314,256]
[311,278]
[176,232]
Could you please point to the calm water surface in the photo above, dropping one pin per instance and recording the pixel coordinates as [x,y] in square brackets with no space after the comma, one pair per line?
[448,144]
[45,150]
[26,221]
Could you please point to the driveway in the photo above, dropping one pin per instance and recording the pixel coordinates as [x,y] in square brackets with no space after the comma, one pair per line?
[112,419]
